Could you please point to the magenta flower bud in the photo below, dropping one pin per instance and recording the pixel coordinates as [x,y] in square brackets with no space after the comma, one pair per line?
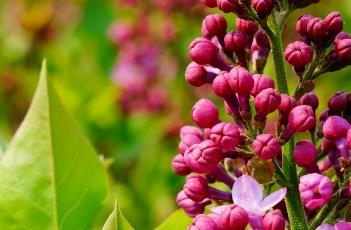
[287,103]
[301,25]
[343,50]
[317,29]
[226,135]
[210,3]
[190,130]
[196,75]
[340,36]
[335,127]
[246,26]
[205,113]
[274,220]
[348,139]
[221,85]
[187,141]
[203,157]
[240,80]
[337,102]
[305,154]
[298,54]
[233,217]
[266,146]
[342,225]
[237,41]
[261,82]
[262,7]
[196,187]
[214,25]
[203,222]
[179,166]
[301,118]
[334,23]
[190,207]
[202,51]
[310,99]
[315,190]
[267,101]
[228,6]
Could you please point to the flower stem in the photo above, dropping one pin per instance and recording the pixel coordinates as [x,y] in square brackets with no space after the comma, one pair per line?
[293,202]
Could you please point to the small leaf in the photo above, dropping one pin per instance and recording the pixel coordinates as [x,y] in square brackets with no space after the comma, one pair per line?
[261,170]
[50,175]
[117,221]
[177,220]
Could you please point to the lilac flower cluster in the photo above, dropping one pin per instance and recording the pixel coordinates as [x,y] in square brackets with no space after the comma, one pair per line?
[230,165]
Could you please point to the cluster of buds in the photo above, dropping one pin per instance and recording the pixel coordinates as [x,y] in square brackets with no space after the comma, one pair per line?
[310,57]
[245,154]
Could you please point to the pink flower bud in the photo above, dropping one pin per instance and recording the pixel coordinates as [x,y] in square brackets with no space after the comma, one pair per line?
[334,23]
[240,80]
[228,6]
[226,135]
[196,75]
[335,127]
[261,82]
[298,54]
[210,3]
[190,207]
[190,130]
[343,50]
[202,51]
[337,102]
[237,41]
[266,146]
[348,139]
[187,141]
[221,85]
[203,157]
[315,190]
[301,25]
[179,166]
[205,113]
[203,222]
[301,118]
[214,25]
[317,29]
[341,36]
[310,99]
[233,217]
[342,225]
[267,101]
[305,154]
[196,187]
[287,103]
[262,7]
[246,26]
[274,220]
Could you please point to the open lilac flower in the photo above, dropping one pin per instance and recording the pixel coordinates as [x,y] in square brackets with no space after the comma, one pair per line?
[248,194]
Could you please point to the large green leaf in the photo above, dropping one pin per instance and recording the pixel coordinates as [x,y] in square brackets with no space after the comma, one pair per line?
[117,221]
[50,175]
[177,220]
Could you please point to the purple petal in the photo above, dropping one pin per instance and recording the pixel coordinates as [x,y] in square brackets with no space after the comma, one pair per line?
[247,193]
[255,221]
[272,200]
[326,227]
[219,209]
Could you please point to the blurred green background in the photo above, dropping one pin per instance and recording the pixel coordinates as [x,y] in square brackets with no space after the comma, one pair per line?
[89,44]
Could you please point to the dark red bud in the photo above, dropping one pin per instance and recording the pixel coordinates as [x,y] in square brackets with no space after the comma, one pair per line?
[267,101]
[334,23]
[298,54]
[310,99]
[240,80]
[317,29]
[301,25]
[205,113]
[202,51]
[262,7]
[262,39]
[287,103]
[246,26]
[261,82]
[228,6]
[305,154]
[337,102]
[343,50]
[237,41]
[266,146]
[210,3]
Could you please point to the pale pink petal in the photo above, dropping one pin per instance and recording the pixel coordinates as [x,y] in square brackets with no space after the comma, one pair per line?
[247,193]
[219,209]
[272,200]
[326,227]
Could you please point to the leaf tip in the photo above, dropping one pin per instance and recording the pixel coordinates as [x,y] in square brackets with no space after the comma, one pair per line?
[43,69]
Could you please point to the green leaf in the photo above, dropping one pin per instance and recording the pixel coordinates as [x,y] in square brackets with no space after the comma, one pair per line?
[50,175]
[177,220]
[117,221]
